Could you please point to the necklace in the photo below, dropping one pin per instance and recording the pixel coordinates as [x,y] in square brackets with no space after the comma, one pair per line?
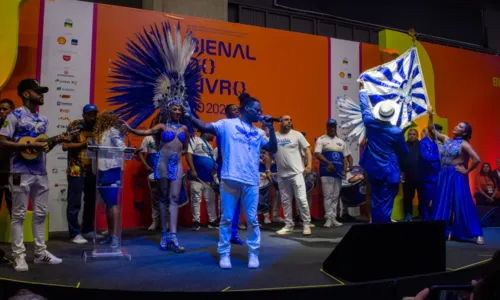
[247,133]
[174,126]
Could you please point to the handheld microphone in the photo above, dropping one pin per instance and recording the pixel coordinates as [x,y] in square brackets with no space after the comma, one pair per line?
[270,119]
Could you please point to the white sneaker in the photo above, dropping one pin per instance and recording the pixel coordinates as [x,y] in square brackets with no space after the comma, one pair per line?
[225,262]
[79,239]
[91,235]
[47,258]
[104,233]
[285,230]
[267,219]
[307,230]
[242,226]
[328,224]
[311,225]
[153,226]
[337,223]
[20,264]
[253,261]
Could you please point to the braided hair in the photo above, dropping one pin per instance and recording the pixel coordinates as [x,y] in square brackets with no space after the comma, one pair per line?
[246,99]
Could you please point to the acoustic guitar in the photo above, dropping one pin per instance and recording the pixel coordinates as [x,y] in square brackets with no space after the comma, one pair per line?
[31,154]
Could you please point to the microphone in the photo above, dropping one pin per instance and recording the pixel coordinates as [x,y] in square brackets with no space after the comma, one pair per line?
[270,119]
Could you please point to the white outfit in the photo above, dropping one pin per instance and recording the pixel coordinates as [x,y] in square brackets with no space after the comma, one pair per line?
[290,175]
[203,160]
[309,193]
[113,158]
[240,146]
[332,184]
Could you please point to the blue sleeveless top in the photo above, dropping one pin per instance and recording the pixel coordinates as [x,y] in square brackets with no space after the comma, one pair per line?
[450,151]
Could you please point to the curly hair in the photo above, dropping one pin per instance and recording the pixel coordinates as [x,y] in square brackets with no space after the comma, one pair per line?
[105,121]
[467,132]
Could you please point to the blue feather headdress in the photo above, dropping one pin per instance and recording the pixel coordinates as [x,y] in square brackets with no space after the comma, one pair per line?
[156,73]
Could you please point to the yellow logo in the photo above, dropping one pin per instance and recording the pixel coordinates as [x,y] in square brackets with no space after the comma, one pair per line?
[5,123]
[9,18]
[341,74]
[496,81]
[61,40]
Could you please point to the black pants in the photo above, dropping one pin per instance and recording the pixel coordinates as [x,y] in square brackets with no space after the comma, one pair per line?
[409,187]
[5,192]
[77,186]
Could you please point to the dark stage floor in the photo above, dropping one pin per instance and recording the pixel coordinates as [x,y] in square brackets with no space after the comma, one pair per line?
[286,262]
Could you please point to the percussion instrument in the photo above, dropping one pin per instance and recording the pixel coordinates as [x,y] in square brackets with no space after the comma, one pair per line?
[264,182]
[311,180]
[215,185]
[353,190]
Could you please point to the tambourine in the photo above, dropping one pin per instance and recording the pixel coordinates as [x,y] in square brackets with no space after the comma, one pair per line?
[264,182]
[311,180]
[354,176]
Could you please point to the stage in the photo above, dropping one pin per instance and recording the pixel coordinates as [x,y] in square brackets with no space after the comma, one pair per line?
[291,261]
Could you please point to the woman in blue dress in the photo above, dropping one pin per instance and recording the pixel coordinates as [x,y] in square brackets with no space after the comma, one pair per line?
[454,202]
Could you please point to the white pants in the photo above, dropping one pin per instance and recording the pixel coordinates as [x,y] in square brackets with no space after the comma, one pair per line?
[290,187]
[197,191]
[331,192]
[155,200]
[37,188]
[309,200]
[230,192]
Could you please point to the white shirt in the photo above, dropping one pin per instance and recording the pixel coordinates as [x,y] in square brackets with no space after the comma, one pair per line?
[334,150]
[240,146]
[289,157]
[149,145]
[110,159]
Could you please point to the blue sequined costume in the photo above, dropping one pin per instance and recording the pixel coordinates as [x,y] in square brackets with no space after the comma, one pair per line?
[454,202]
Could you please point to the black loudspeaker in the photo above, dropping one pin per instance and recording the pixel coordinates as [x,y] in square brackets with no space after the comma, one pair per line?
[488,215]
[382,251]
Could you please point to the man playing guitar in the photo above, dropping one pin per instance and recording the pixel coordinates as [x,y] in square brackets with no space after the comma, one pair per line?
[28,177]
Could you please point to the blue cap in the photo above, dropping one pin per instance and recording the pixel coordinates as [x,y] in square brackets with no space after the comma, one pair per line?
[331,121]
[89,107]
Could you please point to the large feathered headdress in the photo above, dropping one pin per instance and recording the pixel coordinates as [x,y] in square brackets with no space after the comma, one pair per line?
[156,73]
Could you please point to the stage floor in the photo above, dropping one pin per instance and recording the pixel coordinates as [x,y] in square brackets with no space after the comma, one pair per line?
[290,261]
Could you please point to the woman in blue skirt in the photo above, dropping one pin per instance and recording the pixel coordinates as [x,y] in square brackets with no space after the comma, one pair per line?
[454,202]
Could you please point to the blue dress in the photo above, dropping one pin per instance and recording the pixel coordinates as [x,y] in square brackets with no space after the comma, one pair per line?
[454,202]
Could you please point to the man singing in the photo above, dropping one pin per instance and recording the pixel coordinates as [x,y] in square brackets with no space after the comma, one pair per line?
[290,174]
[28,178]
[240,145]
[384,151]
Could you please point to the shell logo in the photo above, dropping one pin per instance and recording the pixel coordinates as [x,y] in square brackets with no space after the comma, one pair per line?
[9,18]
[61,40]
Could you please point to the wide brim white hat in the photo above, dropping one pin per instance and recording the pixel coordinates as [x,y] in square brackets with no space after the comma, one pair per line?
[381,110]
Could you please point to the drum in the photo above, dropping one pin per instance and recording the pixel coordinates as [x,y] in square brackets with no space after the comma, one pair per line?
[353,190]
[311,180]
[264,182]
[215,184]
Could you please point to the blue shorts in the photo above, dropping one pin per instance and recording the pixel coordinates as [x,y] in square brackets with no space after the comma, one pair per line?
[109,194]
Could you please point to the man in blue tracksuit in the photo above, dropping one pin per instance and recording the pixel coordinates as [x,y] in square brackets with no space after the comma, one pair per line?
[381,157]
[430,167]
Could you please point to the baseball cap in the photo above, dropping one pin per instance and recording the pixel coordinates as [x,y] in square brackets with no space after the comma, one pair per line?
[31,84]
[331,121]
[89,107]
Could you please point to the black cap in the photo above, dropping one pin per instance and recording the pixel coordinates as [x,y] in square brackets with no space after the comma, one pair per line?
[31,84]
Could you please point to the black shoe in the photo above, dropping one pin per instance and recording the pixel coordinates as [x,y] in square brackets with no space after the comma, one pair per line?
[213,224]
[196,226]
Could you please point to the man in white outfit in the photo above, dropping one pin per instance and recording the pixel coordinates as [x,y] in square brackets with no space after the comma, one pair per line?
[332,153]
[201,161]
[290,174]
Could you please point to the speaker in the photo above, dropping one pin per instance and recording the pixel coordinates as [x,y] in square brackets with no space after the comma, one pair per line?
[383,251]
[489,215]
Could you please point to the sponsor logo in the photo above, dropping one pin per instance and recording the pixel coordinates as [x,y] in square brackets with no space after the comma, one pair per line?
[65,89]
[66,74]
[68,23]
[66,57]
[62,126]
[342,74]
[62,157]
[64,110]
[54,171]
[74,42]
[61,40]
[345,61]
[59,103]
[64,118]
[349,75]
[65,96]
[345,88]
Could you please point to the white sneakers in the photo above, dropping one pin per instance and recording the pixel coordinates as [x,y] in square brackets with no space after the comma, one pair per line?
[306,230]
[332,223]
[79,239]
[154,225]
[20,264]
[45,257]
[285,230]
[225,262]
[253,261]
